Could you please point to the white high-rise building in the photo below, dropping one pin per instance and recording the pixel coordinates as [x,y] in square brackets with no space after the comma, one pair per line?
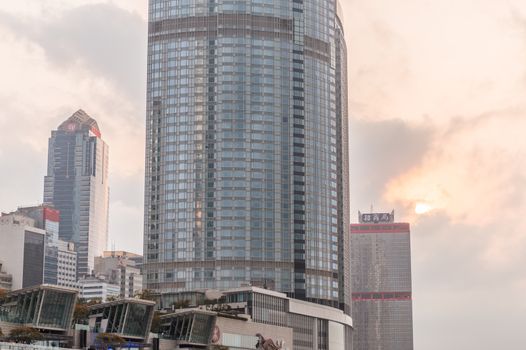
[23,255]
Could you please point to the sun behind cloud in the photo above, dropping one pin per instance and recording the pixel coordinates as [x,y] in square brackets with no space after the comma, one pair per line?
[422,208]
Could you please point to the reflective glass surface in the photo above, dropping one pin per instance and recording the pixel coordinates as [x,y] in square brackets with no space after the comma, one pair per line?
[245,157]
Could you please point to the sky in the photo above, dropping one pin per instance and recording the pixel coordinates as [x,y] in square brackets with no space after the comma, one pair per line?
[437,97]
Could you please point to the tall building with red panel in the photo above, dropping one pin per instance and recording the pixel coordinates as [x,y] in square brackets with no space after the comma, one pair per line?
[381,283]
[60,258]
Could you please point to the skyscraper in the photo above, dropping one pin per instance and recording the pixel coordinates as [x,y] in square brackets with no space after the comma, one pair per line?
[381,283]
[77,185]
[247,161]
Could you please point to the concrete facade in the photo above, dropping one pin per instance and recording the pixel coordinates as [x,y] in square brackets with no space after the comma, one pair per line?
[67,264]
[60,266]
[120,268]
[6,279]
[23,255]
[92,287]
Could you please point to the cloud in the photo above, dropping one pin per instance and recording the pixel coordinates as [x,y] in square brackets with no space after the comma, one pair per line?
[441,58]
[457,291]
[379,152]
[20,189]
[126,227]
[469,160]
[102,37]
[91,57]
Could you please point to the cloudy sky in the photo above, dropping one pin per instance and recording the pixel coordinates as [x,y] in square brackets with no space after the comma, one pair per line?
[438,105]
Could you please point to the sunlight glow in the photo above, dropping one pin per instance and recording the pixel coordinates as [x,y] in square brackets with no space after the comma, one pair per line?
[422,208]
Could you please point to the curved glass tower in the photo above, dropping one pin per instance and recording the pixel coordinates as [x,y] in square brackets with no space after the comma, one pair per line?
[247,160]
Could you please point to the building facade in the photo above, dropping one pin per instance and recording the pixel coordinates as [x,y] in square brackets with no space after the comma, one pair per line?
[243,317]
[130,319]
[247,163]
[77,185]
[66,264]
[119,268]
[60,261]
[96,288]
[381,283]
[6,279]
[23,257]
[44,307]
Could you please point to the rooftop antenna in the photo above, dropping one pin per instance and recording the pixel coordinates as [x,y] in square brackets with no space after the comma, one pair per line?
[372,209]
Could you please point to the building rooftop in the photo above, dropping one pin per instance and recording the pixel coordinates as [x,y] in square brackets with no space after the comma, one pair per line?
[119,253]
[122,301]
[42,287]
[80,120]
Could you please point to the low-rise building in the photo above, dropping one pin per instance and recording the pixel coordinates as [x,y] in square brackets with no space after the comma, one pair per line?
[121,268]
[96,288]
[130,319]
[137,259]
[49,309]
[251,318]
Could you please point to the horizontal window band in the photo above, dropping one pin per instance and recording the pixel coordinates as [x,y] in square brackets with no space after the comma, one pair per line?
[156,266]
[382,296]
[237,25]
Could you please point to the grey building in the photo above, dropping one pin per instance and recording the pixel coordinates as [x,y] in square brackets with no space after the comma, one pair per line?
[23,256]
[98,288]
[6,279]
[60,261]
[247,160]
[77,185]
[121,268]
[381,283]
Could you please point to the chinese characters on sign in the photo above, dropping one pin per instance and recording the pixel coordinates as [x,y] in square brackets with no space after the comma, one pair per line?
[376,218]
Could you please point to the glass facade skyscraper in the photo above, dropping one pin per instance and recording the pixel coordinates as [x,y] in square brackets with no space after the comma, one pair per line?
[246,155]
[77,185]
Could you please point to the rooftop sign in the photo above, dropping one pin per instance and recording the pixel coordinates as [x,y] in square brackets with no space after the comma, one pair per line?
[376,218]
